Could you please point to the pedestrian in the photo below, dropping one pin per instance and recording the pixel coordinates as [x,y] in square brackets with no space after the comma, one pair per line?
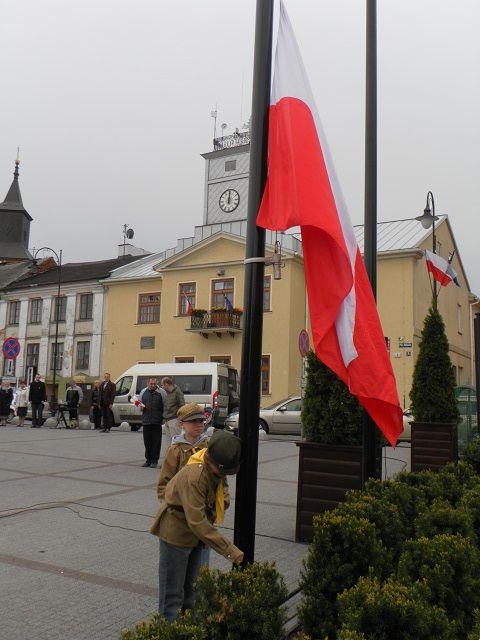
[191,439]
[37,394]
[194,501]
[174,401]
[6,399]
[233,399]
[20,403]
[73,399]
[95,411]
[106,397]
[151,399]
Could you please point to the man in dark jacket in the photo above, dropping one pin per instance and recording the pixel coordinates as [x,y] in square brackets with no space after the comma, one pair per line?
[106,396]
[152,417]
[37,395]
[73,398]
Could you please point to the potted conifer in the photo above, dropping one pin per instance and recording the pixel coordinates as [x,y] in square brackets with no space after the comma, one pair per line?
[433,402]
[330,460]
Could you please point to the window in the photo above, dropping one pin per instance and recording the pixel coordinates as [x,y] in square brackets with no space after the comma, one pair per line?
[187,359]
[459,318]
[60,308]
[35,310]
[221,291]
[230,165]
[86,306]
[83,355]
[294,405]
[149,308]
[14,312]
[59,362]
[265,375]
[221,359]
[267,288]
[123,386]
[186,291]
[32,354]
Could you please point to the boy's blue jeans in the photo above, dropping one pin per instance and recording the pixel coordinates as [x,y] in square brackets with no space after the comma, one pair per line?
[177,571]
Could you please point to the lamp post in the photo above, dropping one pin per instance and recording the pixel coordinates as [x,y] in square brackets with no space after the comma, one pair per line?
[428,220]
[58,256]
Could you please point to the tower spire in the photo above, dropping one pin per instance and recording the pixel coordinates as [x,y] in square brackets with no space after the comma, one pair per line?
[13,199]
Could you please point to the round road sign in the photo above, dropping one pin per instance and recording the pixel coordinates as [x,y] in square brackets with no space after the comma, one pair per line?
[11,348]
[303,343]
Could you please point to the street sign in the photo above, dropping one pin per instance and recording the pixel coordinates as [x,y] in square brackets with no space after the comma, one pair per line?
[303,343]
[11,348]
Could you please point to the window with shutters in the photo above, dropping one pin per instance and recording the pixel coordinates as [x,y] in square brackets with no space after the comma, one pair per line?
[148,308]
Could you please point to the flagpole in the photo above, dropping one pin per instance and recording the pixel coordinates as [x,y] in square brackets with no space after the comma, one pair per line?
[246,491]
[372,461]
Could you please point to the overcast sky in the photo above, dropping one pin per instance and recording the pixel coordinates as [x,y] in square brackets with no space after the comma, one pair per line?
[110,102]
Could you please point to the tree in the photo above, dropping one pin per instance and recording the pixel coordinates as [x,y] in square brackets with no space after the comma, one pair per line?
[330,414]
[433,388]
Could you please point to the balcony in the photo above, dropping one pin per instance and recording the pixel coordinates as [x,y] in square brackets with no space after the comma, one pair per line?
[236,139]
[215,321]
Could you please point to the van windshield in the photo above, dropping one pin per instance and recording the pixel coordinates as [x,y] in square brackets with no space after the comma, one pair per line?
[190,384]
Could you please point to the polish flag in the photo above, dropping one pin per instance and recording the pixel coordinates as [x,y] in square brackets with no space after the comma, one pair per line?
[441,269]
[303,190]
[188,305]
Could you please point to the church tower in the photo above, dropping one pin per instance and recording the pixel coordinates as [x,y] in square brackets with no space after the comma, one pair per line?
[14,225]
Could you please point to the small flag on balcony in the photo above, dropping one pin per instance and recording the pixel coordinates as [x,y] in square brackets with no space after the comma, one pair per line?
[228,304]
[441,269]
[188,306]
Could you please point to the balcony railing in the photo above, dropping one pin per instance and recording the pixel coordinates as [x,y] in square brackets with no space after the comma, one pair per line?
[234,140]
[216,322]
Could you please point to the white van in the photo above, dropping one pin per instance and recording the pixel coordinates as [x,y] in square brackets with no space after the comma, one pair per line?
[206,383]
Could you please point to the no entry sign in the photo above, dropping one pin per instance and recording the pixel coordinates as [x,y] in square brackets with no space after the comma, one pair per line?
[11,348]
[303,343]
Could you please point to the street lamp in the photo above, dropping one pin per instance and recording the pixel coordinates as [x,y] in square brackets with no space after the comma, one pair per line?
[53,397]
[428,220]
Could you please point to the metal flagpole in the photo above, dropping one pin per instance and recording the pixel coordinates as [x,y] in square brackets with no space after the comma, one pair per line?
[371,453]
[246,491]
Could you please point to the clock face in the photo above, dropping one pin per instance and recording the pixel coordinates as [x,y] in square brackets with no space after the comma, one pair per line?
[229,200]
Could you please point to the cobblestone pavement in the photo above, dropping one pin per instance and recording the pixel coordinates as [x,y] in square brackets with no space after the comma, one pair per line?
[78,562]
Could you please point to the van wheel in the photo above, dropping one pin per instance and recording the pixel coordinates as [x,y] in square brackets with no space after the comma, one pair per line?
[134,427]
[262,425]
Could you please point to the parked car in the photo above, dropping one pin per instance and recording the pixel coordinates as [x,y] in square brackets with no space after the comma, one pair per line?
[282,417]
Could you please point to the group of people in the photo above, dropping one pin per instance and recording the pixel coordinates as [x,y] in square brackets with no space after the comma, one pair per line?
[35,395]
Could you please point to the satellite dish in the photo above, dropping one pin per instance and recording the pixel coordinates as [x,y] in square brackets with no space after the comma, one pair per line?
[129,233]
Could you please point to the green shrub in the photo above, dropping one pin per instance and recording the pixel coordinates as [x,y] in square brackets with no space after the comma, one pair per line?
[330,414]
[243,604]
[475,632]
[447,569]
[471,454]
[348,634]
[440,518]
[453,480]
[384,516]
[390,611]
[159,629]
[433,386]
[343,549]
[471,503]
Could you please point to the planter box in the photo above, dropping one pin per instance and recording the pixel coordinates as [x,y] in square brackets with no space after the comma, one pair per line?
[434,444]
[325,473]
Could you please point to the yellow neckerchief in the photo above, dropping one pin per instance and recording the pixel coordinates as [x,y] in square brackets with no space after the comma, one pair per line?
[198,458]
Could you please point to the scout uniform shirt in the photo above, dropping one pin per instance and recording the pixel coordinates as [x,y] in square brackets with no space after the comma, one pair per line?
[188,512]
[177,457]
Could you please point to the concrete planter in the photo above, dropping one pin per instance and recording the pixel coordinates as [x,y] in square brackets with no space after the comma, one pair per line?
[434,444]
[325,473]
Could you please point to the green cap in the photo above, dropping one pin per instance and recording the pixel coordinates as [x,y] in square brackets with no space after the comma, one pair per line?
[225,450]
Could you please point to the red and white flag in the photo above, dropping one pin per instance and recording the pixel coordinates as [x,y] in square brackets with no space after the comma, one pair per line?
[441,269]
[303,190]
[188,306]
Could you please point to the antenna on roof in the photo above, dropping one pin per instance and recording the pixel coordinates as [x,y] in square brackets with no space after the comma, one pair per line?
[128,234]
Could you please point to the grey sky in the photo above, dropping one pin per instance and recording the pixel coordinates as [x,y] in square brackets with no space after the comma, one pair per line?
[110,102]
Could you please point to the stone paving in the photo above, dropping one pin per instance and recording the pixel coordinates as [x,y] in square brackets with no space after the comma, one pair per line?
[78,563]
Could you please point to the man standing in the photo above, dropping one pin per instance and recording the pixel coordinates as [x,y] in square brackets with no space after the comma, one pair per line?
[73,398]
[37,395]
[106,397]
[152,416]
[174,401]
[195,499]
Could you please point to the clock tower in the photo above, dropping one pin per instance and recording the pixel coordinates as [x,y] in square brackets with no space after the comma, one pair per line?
[226,179]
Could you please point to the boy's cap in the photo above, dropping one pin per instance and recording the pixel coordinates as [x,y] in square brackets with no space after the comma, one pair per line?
[225,450]
[190,412]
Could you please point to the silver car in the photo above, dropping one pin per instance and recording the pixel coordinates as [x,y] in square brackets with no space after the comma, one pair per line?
[283,417]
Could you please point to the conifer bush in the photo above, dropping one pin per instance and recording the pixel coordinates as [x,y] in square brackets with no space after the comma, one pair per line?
[158,628]
[330,414]
[433,388]
[471,454]
[441,517]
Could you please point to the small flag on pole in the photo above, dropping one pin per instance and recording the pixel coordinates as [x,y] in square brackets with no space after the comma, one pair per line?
[228,304]
[441,269]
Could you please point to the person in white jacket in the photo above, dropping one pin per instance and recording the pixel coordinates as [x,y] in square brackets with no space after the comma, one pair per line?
[20,403]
